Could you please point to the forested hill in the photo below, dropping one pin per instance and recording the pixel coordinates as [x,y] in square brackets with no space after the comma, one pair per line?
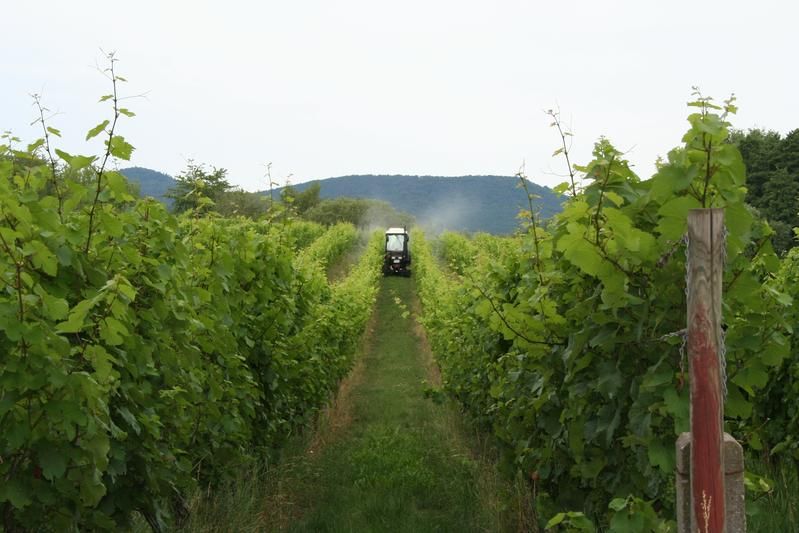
[467,203]
[151,182]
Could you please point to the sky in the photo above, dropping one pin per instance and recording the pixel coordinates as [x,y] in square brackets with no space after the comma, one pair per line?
[437,87]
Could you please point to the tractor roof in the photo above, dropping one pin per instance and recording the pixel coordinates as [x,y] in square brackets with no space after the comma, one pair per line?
[391,231]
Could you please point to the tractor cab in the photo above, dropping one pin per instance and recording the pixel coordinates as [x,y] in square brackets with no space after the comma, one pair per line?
[397,258]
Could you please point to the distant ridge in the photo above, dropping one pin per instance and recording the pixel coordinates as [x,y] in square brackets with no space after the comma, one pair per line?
[151,182]
[465,203]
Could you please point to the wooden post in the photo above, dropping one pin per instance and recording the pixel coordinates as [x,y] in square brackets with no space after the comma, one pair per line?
[705,270]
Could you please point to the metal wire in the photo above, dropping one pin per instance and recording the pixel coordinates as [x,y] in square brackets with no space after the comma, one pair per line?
[723,335]
[686,240]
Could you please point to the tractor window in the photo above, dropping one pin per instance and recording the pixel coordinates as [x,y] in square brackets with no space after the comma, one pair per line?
[395,243]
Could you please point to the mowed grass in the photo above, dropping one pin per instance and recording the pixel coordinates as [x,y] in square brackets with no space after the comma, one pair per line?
[396,467]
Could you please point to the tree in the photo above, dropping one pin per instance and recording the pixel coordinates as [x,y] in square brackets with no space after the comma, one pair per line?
[789,153]
[237,202]
[361,212]
[780,205]
[196,188]
[760,150]
[772,166]
[301,201]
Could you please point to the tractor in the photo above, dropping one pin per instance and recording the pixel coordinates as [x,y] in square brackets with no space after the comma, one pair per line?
[397,258]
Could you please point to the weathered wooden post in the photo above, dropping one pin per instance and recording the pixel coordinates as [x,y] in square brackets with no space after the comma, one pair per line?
[707,505]
[705,270]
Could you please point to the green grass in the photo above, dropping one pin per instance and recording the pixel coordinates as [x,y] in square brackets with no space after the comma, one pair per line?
[400,466]
[776,510]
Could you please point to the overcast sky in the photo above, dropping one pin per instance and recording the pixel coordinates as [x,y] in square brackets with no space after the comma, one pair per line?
[324,89]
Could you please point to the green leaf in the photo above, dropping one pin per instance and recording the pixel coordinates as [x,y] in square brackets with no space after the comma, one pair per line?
[54,131]
[113,331]
[101,360]
[75,162]
[657,377]
[77,316]
[92,489]
[617,504]
[126,415]
[670,179]
[118,185]
[580,252]
[561,188]
[52,460]
[677,405]
[120,148]
[126,290]
[99,446]
[111,224]
[738,220]
[54,308]
[615,198]
[674,217]
[661,456]
[127,112]
[751,377]
[609,380]
[757,484]
[9,235]
[576,438]
[64,254]
[775,350]
[735,404]
[97,129]
[35,145]
[555,520]
[13,491]
[42,258]
[626,522]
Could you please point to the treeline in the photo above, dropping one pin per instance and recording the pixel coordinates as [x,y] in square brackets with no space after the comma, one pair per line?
[463,203]
[208,190]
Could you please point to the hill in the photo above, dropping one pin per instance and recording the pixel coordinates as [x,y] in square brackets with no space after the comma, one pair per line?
[151,182]
[467,203]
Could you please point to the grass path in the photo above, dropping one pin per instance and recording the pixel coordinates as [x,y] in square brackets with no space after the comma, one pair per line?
[387,459]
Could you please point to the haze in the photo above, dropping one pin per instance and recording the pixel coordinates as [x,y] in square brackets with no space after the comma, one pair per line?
[325,89]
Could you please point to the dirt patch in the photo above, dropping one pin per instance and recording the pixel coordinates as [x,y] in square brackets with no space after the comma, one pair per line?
[281,506]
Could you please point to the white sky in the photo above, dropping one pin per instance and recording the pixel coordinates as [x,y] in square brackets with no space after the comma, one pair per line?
[457,87]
